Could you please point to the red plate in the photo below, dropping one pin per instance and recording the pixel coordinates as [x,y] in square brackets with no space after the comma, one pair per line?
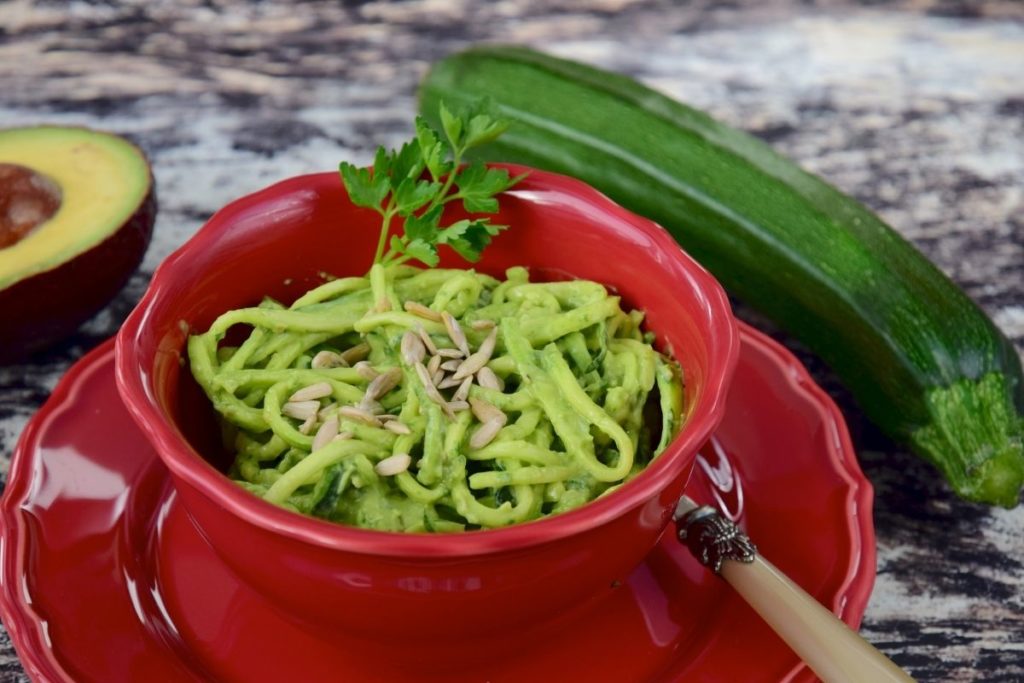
[105,579]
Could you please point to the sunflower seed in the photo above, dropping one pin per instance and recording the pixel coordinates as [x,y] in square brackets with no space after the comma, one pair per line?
[343,436]
[423,373]
[307,426]
[458,405]
[485,411]
[450,365]
[397,427]
[413,350]
[370,406]
[482,324]
[463,391]
[392,465]
[485,433]
[301,410]
[366,370]
[454,354]
[312,392]
[471,366]
[486,378]
[427,341]
[383,383]
[432,393]
[455,332]
[422,311]
[386,417]
[448,383]
[354,413]
[327,411]
[479,359]
[433,365]
[487,345]
[327,359]
[328,430]
[437,378]
[356,353]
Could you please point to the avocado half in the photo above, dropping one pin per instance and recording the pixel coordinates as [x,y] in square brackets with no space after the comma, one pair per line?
[76,215]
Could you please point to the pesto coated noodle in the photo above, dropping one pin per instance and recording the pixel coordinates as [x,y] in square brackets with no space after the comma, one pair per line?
[438,400]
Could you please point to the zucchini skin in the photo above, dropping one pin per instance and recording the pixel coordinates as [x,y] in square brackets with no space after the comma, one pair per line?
[923,361]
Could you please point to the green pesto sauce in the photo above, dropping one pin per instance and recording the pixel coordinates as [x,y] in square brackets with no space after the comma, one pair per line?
[579,383]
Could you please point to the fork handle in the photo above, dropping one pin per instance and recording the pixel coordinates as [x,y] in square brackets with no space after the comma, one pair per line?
[835,652]
[829,647]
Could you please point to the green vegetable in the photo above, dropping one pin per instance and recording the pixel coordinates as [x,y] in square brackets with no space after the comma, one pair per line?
[923,360]
[555,447]
[334,410]
[394,186]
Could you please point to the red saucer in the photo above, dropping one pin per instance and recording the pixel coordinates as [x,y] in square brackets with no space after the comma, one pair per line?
[105,579]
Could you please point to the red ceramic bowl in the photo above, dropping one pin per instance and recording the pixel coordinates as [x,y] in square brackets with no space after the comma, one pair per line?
[419,587]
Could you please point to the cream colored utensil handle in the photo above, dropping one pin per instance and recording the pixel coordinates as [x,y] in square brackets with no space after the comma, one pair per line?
[836,653]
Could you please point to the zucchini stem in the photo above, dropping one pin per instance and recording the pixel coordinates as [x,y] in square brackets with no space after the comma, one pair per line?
[976,439]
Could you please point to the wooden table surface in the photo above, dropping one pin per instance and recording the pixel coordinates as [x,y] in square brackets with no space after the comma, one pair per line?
[915,108]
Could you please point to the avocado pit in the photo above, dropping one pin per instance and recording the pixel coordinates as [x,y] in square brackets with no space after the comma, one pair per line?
[27,200]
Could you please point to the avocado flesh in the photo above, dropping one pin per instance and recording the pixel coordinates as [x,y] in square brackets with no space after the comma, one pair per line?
[63,260]
[103,180]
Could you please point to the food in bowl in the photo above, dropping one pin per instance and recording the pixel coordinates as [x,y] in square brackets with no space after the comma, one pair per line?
[439,399]
[466,402]
[420,589]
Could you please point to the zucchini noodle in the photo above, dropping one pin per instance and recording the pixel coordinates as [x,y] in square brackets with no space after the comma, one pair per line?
[438,400]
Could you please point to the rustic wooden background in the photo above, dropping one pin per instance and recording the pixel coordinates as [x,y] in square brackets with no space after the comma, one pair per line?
[916,108]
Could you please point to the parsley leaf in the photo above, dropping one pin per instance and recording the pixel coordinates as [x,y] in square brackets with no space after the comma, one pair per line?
[478,185]
[433,151]
[424,227]
[412,194]
[451,124]
[408,163]
[472,239]
[395,186]
[483,129]
[364,188]
[421,251]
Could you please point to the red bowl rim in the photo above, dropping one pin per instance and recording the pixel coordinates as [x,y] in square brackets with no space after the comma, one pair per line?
[190,467]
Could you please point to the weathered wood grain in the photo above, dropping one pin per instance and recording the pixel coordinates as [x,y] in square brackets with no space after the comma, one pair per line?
[916,108]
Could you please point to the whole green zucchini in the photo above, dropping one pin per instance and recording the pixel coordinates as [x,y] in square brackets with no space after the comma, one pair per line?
[924,362]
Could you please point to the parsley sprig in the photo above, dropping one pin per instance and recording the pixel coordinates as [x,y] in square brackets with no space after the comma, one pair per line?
[395,186]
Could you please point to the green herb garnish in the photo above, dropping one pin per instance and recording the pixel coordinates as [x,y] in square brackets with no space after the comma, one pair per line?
[395,186]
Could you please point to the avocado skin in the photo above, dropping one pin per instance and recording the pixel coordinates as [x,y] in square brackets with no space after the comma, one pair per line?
[44,308]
